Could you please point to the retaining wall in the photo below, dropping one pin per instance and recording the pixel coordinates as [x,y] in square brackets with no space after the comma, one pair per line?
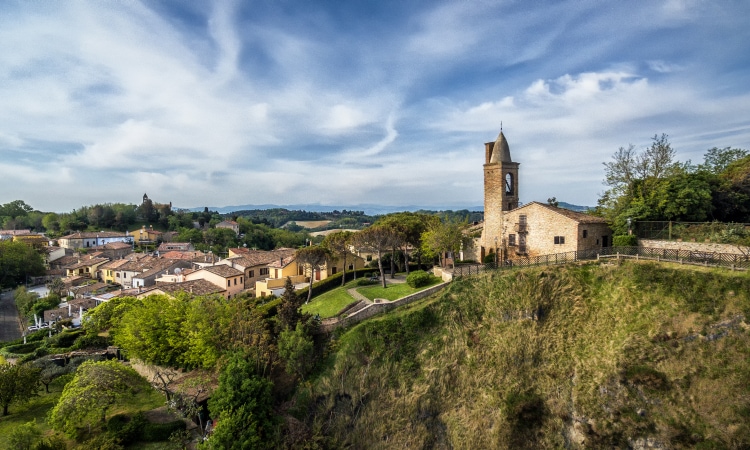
[330,324]
[707,247]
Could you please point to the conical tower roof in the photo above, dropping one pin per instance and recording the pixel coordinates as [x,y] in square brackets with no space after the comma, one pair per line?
[500,151]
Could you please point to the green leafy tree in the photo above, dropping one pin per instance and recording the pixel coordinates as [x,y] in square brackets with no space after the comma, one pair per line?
[377,239]
[18,261]
[338,244]
[296,349]
[49,371]
[243,408]
[95,388]
[312,259]
[25,436]
[443,237]
[289,309]
[18,382]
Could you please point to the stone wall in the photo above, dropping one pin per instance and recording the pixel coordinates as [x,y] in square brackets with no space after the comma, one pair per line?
[328,325]
[706,247]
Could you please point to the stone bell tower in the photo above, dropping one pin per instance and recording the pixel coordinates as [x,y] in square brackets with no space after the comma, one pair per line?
[500,192]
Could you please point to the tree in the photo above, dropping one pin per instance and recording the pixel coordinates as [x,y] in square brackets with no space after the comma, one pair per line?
[243,403]
[49,371]
[18,382]
[717,160]
[338,244]
[378,239]
[96,387]
[56,286]
[409,227]
[443,237]
[17,262]
[296,349]
[289,309]
[25,436]
[312,259]
[552,201]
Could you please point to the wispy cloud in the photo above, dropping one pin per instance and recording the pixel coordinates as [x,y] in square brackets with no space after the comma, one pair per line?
[234,102]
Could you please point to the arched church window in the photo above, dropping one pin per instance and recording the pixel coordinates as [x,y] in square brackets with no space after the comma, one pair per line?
[508,184]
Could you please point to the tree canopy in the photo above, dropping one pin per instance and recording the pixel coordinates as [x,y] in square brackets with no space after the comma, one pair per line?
[652,185]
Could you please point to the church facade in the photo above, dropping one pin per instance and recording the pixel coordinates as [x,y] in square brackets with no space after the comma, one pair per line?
[512,230]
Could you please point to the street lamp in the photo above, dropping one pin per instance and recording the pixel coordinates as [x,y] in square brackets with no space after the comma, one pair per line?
[629,220]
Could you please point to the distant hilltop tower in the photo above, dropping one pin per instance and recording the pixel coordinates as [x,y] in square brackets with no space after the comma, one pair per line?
[145,198]
[500,191]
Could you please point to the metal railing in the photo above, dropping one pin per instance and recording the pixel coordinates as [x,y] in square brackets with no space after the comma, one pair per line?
[714,259]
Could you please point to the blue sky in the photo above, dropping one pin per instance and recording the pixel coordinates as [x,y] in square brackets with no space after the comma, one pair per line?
[345,103]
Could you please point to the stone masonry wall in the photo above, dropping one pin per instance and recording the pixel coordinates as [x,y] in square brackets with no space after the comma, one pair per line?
[328,325]
[707,247]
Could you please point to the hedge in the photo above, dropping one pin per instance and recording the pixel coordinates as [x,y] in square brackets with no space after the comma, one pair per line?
[625,240]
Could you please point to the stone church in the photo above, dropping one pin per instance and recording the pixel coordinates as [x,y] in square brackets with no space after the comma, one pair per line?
[512,230]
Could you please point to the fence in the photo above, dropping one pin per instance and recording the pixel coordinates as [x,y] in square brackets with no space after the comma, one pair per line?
[728,260]
[699,231]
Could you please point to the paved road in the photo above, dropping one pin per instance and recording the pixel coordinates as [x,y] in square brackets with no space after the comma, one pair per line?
[10,327]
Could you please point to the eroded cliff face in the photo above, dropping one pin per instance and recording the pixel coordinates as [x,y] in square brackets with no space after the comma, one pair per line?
[640,355]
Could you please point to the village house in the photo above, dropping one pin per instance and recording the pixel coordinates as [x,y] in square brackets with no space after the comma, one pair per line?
[254,263]
[159,268]
[165,247]
[146,236]
[87,266]
[114,250]
[10,234]
[223,276]
[278,272]
[52,254]
[90,239]
[37,241]
[229,224]
[198,286]
[510,230]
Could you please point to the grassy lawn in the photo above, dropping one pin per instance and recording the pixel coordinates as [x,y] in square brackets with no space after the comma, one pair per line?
[329,303]
[392,292]
[37,408]
[33,410]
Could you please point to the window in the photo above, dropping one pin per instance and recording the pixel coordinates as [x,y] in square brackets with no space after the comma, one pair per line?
[512,240]
[585,234]
[240,280]
[252,273]
[559,240]
[235,281]
[264,271]
[508,184]
[229,283]
[351,266]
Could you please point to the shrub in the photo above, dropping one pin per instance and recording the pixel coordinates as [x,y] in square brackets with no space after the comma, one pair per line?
[66,338]
[127,430]
[365,282]
[419,278]
[489,258]
[160,432]
[23,349]
[625,240]
[91,341]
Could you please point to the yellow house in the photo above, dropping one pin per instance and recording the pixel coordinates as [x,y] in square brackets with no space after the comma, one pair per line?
[277,273]
[146,236]
[87,266]
[107,270]
[225,277]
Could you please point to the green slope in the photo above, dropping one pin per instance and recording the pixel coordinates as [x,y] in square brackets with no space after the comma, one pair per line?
[569,357]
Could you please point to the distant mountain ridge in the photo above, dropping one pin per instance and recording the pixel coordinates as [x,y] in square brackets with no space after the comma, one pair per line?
[369,209]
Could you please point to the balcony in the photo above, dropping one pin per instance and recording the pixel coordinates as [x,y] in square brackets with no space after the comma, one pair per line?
[521,227]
